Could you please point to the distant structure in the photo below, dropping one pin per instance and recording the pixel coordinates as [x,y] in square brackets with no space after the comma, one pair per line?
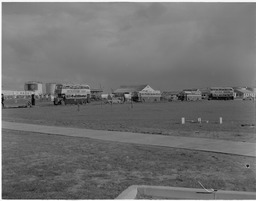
[36,87]
[205,93]
[140,93]
[245,92]
[106,96]
[50,88]
[96,94]
[190,95]
[170,95]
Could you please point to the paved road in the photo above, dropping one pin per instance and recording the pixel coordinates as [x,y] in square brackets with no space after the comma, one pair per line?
[203,144]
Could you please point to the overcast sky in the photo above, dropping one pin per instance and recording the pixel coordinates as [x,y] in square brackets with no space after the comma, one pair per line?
[169,46]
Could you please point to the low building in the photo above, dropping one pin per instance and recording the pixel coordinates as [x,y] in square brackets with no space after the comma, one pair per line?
[96,94]
[205,93]
[140,93]
[170,95]
[244,93]
[190,95]
[107,96]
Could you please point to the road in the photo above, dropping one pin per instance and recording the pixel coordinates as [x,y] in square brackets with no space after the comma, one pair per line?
[201,144]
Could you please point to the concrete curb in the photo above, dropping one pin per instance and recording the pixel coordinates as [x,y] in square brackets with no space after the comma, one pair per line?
[184,193]
[130,193]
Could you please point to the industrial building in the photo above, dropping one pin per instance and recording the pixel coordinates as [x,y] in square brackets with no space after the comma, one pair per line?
[140,93]
[36,87]
[190,95]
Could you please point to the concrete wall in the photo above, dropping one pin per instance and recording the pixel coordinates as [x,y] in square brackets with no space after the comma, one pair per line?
[173,193]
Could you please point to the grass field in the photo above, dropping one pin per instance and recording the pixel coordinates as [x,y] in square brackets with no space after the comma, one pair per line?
[150,118]
[39,166]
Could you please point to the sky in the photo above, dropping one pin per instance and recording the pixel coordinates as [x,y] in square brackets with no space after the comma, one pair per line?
[168,45]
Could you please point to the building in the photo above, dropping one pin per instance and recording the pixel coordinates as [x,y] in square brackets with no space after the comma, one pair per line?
[252,89]
[205,93]
[140,93]
[96,94]
[190,95]
[245,93]
[106,96]
[36,87]
[170,95]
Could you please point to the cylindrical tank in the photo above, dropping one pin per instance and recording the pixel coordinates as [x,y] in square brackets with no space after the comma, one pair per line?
[31,86]
[36,87]
[50,87]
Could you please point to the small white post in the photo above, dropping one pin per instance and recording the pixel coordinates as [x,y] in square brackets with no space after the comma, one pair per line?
[220,120]
[199,120]
[183,120]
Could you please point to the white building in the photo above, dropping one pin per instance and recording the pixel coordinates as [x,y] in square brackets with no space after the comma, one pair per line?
[244,92]
[191,95]
[142,93]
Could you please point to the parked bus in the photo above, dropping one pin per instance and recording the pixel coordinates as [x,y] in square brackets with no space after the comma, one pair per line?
[71,94]
[221,93]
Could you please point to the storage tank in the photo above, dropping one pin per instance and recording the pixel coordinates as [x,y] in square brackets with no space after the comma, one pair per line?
[36,87]
[50,87]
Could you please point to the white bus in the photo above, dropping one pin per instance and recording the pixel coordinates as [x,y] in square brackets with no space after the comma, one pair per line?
[71,94]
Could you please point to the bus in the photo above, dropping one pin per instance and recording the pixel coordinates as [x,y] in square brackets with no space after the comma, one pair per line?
[71,94]
[221,93]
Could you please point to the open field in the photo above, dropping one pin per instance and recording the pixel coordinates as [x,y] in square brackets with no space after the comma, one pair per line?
[39,166]
[149,118]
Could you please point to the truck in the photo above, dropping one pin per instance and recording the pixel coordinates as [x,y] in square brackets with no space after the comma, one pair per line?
[71,94]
